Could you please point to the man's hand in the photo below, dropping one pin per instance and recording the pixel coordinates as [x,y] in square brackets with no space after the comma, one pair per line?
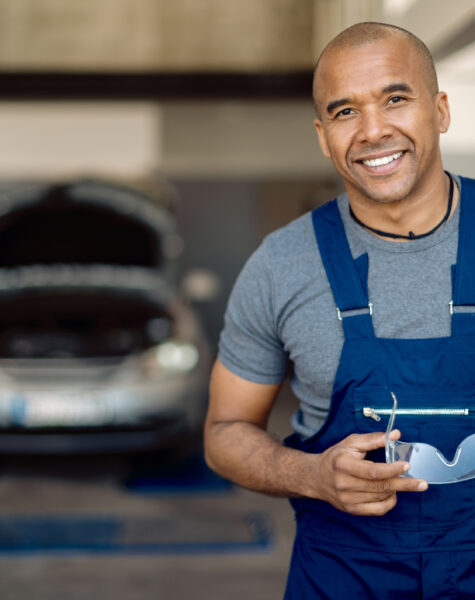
[237,446]
[358,486]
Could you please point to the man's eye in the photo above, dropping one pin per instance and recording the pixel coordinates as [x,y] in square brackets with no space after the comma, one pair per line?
[395,100]
[343,113]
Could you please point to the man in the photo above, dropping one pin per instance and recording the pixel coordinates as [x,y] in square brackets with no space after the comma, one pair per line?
[359,299]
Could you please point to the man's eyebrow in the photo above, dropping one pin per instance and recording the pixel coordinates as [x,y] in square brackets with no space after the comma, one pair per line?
[336,103]
[397,87]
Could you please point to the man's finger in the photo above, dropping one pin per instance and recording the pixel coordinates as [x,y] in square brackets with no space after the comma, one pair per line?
[375,508]
[364,442]
[386,486]
[408,484]
[367,469]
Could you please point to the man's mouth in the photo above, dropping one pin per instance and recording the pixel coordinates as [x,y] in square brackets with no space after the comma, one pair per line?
[383,160]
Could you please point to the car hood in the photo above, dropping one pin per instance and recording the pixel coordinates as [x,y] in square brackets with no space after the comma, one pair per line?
[86,269]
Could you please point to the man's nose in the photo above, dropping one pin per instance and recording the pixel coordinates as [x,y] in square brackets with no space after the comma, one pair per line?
[374,126]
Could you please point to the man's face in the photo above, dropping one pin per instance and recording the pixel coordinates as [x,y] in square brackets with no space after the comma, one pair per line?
[379,119]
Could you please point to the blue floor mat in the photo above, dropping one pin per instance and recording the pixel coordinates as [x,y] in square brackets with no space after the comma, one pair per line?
[180,534]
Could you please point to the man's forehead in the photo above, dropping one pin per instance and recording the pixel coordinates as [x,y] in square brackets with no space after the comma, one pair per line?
[339,67]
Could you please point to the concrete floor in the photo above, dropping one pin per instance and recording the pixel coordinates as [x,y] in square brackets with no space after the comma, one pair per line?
[255,573]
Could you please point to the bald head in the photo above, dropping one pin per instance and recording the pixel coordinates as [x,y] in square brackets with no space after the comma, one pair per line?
[362,34]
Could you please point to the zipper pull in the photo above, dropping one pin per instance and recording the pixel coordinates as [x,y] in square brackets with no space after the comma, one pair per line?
[370,412]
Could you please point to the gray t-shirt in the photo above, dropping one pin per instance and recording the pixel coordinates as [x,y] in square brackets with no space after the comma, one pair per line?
[281,317]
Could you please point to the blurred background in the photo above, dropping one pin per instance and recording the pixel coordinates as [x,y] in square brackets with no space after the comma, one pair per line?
[146,148]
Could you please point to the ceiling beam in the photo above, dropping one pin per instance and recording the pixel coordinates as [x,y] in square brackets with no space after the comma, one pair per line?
[154,86]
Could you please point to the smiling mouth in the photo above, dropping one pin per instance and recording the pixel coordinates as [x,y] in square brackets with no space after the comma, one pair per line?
[384,160]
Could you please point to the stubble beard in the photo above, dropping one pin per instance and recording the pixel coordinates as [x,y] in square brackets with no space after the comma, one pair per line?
[402,187]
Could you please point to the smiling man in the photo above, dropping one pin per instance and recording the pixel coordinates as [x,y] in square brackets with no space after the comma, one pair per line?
[370,296]
[379,118]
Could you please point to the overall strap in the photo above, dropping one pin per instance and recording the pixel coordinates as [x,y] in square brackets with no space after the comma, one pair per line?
[349,292]
[463,297]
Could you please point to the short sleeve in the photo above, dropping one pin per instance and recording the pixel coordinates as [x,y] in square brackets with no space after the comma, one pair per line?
[249,345]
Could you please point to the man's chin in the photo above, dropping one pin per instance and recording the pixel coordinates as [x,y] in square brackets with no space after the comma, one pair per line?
[384,193]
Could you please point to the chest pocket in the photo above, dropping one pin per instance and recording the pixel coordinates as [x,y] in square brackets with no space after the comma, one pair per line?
[442,418]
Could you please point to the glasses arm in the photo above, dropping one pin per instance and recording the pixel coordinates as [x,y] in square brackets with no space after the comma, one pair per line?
[388,444]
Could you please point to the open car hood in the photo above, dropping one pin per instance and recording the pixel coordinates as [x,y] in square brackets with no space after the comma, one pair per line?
[86,223]
[86,269]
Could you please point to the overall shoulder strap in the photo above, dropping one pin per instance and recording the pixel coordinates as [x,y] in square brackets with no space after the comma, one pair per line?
[351,296]
[463,298]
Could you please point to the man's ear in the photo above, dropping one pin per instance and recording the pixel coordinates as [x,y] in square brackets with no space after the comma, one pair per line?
[443,110]
[322,137]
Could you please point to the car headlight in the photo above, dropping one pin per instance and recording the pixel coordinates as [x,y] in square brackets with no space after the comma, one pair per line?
[174,357]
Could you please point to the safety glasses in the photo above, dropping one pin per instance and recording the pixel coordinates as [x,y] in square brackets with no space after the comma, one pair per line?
[426,462]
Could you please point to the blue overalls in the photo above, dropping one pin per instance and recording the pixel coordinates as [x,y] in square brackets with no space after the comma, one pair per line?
[425,547]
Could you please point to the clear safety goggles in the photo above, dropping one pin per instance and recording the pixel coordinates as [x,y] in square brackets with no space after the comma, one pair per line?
[427,462]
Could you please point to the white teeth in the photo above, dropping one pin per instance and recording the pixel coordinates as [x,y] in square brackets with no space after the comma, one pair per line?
[384,160]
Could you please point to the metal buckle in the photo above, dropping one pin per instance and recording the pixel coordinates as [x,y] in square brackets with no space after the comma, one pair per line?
[456,309]
[340,316]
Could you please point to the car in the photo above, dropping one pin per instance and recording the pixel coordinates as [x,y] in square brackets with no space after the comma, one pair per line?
[99,349]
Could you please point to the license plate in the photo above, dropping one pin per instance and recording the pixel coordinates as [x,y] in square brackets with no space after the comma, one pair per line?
[56,409]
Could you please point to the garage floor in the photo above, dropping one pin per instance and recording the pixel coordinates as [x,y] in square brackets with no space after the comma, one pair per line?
[87,529]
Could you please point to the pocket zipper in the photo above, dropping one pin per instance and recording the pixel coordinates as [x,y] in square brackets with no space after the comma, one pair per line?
[374,413]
